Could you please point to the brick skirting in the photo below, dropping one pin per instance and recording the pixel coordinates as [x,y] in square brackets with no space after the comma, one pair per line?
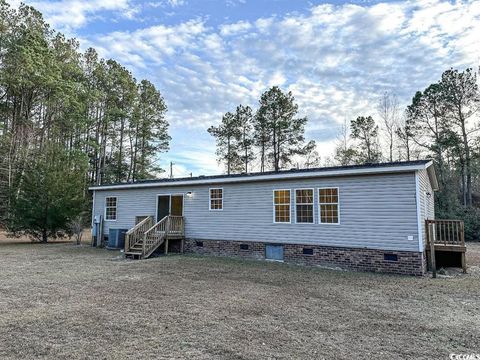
[385,261]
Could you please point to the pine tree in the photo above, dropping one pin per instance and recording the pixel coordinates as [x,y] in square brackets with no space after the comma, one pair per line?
[243,122]
[282,134]
[365,131]
[227,136]
[51,194]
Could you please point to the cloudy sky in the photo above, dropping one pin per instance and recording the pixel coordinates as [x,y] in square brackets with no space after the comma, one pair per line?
[207,56]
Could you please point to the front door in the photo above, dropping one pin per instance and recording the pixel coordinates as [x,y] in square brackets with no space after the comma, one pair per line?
[163,206]
[169,205]
[176,206]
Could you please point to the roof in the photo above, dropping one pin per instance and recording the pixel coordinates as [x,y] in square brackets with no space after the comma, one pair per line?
[379,168]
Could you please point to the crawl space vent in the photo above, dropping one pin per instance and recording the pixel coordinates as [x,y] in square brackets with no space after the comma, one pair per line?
[307,251]
[390,257]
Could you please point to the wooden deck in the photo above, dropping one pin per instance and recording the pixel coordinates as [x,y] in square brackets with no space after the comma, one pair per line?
[145,237]
[445,236]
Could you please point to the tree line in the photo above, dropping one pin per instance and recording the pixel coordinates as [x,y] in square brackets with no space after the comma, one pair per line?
[67,117]
[441,123]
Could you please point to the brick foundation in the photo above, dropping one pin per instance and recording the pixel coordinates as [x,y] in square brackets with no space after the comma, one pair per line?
[407,263]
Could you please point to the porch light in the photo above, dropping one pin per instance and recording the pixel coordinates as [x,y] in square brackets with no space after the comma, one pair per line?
[189,194]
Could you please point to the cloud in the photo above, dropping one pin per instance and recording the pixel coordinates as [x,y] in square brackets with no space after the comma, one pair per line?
[67,15]
[235,28]
[336,60]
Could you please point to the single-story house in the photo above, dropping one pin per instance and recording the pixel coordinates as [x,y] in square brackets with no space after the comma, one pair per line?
[367,217]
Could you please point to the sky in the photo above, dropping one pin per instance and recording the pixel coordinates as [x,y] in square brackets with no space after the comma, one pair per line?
[208,56]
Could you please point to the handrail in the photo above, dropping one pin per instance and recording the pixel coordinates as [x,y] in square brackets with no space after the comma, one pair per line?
[139,225]
[154,236]
[136,233]
[151,236]
[445,232]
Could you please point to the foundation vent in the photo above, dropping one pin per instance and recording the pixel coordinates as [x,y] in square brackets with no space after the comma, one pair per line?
[390,257]
[307,251]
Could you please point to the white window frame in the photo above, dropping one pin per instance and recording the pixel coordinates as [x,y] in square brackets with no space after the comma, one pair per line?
[289,206]
[320,205]
[210,198]
[116,208]
[313,206]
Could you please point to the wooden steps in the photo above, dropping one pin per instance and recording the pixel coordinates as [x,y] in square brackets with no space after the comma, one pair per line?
[142,240]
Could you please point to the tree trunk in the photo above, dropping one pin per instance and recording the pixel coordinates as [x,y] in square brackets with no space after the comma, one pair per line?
[468,171]
[44,236]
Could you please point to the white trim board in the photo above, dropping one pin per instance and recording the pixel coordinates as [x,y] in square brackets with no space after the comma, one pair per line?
[419,212]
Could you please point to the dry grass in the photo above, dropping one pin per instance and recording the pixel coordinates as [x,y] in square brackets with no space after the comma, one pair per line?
[64,301]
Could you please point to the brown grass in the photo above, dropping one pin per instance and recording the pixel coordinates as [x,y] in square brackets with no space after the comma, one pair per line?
[65,301]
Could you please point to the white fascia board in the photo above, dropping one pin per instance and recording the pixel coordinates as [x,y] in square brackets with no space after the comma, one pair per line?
[267,177]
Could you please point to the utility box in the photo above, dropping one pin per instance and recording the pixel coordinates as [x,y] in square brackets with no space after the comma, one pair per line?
[116,238]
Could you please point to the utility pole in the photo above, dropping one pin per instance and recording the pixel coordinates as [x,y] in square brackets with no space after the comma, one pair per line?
[171,169]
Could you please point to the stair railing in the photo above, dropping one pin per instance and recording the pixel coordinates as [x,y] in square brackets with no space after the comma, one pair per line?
[154,236]
[136,233]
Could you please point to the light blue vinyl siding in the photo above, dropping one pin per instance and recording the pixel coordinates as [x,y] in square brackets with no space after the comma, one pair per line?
[376,211]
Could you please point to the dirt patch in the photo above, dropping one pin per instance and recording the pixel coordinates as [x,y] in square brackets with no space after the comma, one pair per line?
[65,301]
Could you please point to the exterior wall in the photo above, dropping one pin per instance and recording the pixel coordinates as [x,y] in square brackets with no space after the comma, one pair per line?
[408,263]
[427,204]
[376,212]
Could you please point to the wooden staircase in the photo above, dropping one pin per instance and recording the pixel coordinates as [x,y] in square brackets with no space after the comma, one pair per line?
[145,237]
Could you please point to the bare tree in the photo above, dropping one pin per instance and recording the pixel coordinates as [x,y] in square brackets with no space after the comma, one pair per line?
[75,227]
[388,110]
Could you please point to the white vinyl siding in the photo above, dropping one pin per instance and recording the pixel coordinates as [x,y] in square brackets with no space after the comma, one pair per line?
[376,211]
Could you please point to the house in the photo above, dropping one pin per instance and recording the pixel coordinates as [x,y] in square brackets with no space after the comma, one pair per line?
[367,217]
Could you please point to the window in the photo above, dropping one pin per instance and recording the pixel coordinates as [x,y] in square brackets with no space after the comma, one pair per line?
[111,208]
[216,199]
[328,202]
[304,206]
[281,201]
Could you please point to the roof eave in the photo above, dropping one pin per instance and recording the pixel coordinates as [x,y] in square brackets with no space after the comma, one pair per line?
[269,177]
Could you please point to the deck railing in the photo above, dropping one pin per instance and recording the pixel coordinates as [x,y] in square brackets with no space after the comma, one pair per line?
[445,235]
[176,225]
[445,232]
[136,233]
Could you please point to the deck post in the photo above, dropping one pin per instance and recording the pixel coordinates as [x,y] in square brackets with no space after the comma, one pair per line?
[167,230]
[462,242]
[432,237]
[464,263]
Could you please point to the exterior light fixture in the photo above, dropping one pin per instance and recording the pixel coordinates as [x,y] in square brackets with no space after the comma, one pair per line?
[189,194]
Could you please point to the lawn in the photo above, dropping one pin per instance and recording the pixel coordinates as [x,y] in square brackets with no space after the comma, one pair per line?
[66,301]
